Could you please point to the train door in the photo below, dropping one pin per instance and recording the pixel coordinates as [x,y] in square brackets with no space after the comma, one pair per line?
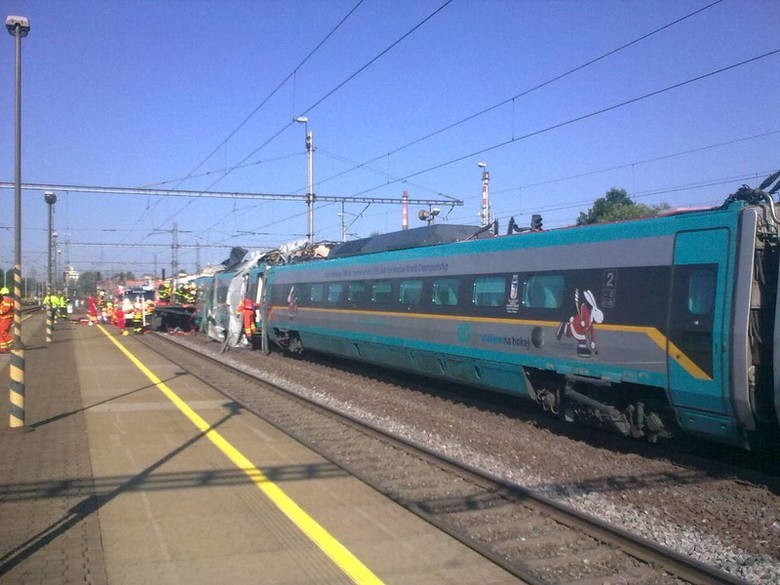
[255,293]
[697,331]
[255,290]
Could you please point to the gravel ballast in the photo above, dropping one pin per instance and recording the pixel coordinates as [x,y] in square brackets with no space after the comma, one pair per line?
[719,518]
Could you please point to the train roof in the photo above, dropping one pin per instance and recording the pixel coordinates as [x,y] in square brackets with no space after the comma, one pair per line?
[413,238]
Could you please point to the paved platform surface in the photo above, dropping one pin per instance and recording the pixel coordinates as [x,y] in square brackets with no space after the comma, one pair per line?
[112,483]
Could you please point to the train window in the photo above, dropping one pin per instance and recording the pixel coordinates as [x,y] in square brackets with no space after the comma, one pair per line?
[543,291]
[489,291]
[292,295]
[701,291]
[317,293]
[445,292]
[357,292]
[335,292]
[222,290]
[302,293]
[380,292]
[251,291]
[410,292]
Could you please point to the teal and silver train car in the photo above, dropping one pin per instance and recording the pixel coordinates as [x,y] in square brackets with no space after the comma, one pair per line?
[222,320]
[649,326]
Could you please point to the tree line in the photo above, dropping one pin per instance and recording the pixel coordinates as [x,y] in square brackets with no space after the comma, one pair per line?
[616,205]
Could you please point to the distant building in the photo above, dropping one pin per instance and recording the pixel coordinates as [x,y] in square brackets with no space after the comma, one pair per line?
[71,276]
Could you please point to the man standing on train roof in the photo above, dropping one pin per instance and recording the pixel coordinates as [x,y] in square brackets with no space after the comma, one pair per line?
[6,320]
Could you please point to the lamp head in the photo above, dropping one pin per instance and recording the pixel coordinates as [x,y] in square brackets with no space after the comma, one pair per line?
[50,197]
[12,23]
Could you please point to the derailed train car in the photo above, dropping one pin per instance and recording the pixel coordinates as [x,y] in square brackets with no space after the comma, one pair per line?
[649,326]
[223,294]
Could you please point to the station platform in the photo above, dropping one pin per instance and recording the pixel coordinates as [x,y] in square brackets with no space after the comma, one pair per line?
[130,471]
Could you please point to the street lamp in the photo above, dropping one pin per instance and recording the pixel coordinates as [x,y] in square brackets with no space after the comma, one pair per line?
[50,198]
[310,176]
[18,27]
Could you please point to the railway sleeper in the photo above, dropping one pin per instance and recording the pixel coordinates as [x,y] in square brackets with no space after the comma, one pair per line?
[600,559]
[551,544]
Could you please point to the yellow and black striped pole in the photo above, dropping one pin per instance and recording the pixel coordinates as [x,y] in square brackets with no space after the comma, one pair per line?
[18,27]
[16,367]
[50,198]
[48,322]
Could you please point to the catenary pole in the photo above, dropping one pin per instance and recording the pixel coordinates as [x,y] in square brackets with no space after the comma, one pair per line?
[18,27]
[51,198]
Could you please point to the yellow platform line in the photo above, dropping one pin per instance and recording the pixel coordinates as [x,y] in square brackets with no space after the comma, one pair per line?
[333,549]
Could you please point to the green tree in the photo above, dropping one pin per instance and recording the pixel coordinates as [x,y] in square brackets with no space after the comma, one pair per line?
[616,205]
[87,283]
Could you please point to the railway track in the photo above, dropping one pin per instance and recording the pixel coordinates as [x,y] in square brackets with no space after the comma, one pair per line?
[536,539]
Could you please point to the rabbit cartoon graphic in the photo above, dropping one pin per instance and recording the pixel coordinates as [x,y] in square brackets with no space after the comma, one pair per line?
[580,326]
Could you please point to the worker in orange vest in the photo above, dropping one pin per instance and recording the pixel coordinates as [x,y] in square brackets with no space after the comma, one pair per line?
[6,320]
[247,310]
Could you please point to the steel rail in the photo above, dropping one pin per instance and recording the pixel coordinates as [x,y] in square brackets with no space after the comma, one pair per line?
[645,550]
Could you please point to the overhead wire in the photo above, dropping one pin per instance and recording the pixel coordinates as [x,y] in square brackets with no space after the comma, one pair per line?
[214,171]
[633,164]
[637,163]
[574,120]
[257,109]
[340,85]
[277,88]
[527,91]
[376,171]
[227,170]
[648,193]
[377,57]
[327,95]
[232,168]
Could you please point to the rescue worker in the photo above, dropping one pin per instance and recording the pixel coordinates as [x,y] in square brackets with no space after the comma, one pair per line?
[6,320]
[127,314]
[47,306]
[53,305]
[101,305]
[62,307]
[92,310]
[164,294]
[247,310]
[138,314]
[148,311]
[110,315]
[186,293]
[119,319]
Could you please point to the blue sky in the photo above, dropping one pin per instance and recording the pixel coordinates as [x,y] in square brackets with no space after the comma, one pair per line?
[138,94]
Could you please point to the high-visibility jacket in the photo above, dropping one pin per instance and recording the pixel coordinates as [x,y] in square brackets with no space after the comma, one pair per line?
[247,310]
[6,308]
[6,320]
